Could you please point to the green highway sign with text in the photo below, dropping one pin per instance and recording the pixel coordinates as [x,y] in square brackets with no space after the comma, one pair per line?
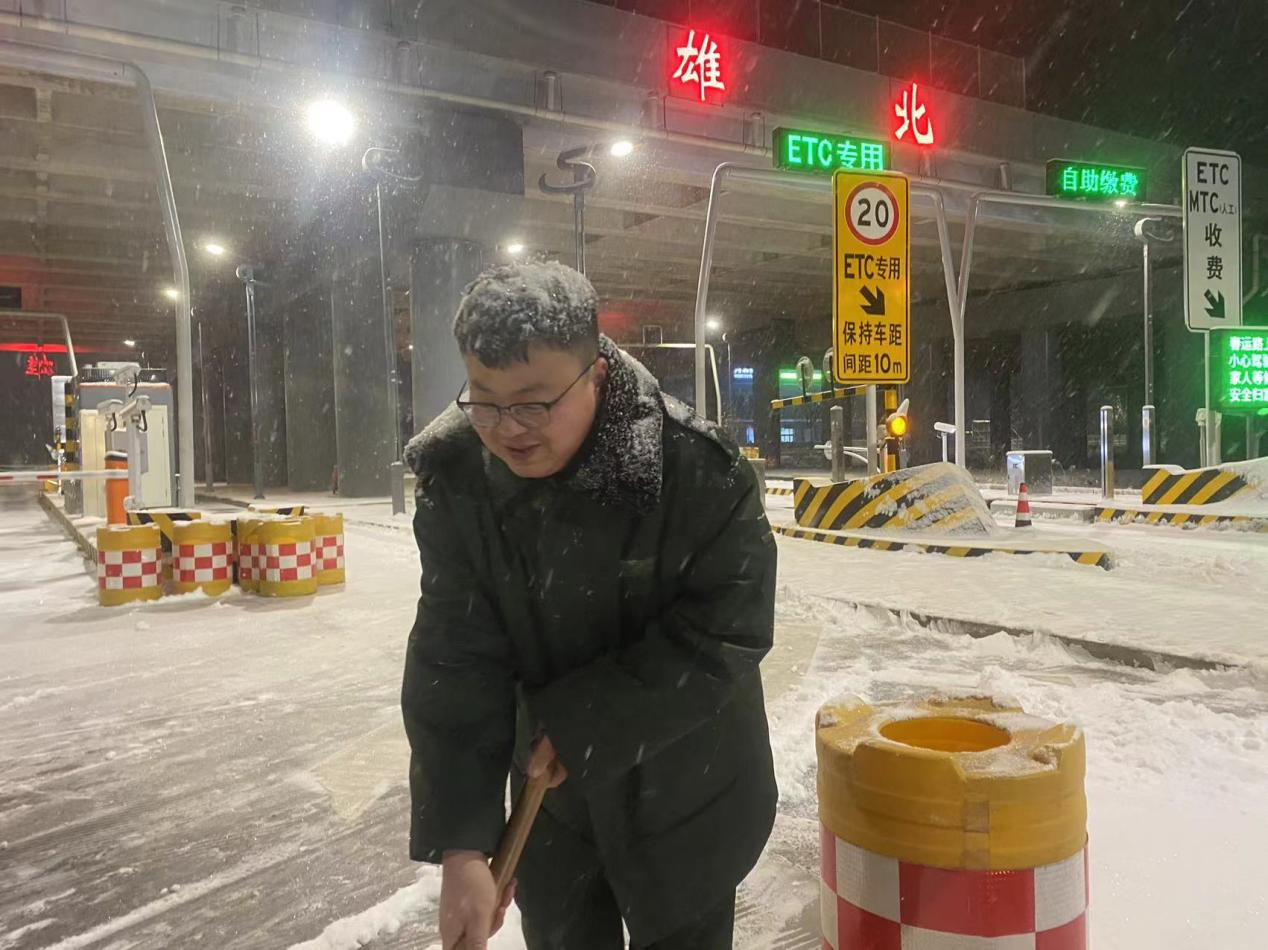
[801,150]
[1095,181]
[1239,369]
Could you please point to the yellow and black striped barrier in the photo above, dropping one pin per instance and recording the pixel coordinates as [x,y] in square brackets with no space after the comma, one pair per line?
[1203,486]
[779,491]
[166,519]
[825,396]
[1178,519]
[935,497]
[1090,557]
[288,511]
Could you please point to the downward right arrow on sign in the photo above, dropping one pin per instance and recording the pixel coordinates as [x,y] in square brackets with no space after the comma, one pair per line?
[873,301]
[1216,309]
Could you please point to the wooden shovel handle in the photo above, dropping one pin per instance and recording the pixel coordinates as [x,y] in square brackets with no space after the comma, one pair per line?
[511,847]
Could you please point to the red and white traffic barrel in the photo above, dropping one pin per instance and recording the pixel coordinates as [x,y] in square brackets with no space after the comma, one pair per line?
[951,824]
[129,559]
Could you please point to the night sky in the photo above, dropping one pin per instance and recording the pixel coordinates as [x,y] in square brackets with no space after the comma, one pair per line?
[1186,72]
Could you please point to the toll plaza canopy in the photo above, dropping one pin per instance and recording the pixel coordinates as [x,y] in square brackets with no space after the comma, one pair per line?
[469,105]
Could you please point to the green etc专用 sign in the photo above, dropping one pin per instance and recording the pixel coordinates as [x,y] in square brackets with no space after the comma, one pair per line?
[1239,370]
[803,150]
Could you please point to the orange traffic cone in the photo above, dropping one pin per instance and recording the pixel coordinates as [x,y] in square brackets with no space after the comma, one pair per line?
[1023,507]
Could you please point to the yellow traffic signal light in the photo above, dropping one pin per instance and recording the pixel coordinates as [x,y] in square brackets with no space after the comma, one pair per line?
[896,423]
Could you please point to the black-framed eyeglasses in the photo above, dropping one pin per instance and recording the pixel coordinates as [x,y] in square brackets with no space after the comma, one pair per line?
[531,415]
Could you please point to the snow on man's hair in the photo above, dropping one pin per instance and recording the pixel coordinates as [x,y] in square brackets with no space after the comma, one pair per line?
[511,306]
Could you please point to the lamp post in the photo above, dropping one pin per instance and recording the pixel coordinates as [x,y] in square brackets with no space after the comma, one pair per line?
[584,177]
[246,274]
[373,162]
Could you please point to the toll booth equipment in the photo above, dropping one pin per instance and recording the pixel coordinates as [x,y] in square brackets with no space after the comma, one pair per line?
[950,822]
[1032,467]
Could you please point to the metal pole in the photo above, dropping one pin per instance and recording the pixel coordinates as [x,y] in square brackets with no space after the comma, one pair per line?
[579,226]
[1148,440]
[702,286]
[1149,326]
[870,402]
[837,433]
[180,272]
[1212,430]
[247,276]
[1107,452]
[209,473]
[389,332]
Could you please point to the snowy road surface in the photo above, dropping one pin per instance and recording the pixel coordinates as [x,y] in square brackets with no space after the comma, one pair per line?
[232,774]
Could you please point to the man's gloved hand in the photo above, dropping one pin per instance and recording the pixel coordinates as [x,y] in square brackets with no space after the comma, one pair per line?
[543,760]
[469,910]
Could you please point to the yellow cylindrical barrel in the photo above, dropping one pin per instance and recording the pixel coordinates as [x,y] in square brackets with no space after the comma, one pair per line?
[328,548]
[128,562]
[248,550]
[950,819]
[287,547]
[202,557]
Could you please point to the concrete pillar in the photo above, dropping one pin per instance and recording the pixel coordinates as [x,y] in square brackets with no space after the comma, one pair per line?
[310,389]
[439,270]
[271,388]
[363,423]
[1036,379]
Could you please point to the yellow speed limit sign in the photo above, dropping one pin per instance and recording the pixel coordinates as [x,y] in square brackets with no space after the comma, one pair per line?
[871,283]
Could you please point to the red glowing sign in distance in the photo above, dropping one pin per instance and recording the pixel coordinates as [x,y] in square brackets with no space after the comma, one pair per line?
[913,123]
[699,66]
[38,364]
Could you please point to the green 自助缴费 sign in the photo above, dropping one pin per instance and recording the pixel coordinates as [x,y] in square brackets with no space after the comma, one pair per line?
[801,150]
[1239,369]
[1095,181]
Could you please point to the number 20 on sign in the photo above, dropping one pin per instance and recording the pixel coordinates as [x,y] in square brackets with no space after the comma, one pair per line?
[871,283]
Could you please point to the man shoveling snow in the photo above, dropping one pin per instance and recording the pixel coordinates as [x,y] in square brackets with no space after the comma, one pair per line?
[598,583]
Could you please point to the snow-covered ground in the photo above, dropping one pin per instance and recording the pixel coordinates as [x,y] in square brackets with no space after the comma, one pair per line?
[232,774]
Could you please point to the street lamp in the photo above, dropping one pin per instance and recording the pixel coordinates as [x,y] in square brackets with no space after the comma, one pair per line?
[130,344]
[584,176]
[246,274]
[330,122]
[171,293]
[215,249]
[515,248]
[373,161]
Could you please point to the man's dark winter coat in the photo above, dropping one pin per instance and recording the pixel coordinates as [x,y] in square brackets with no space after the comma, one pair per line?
[620,607]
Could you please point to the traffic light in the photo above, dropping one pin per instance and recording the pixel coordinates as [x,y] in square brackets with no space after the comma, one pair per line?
[897,424]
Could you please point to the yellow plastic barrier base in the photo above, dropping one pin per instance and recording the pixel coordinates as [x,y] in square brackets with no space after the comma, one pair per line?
[1178,517]
[941,498]
[952,783]
[1079,552]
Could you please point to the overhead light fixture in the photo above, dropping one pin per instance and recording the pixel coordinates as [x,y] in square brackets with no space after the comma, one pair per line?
[515,247]
[1120,203]
[621,148]
[330,122]
[214,249]
[171,293]
[713,324]
[129,343]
